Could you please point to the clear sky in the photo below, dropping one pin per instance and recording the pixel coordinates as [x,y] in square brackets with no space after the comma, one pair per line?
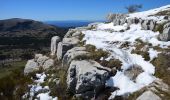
[45,10]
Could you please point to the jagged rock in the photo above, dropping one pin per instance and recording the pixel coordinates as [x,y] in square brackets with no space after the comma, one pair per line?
[148,24]
[54,43]
[148,95]
[38,62]
[119,19]
[73,54]
[41,60]
[165,36]
[86,78]
[48,63]
[133,71]
[66,45]
[31,66]
[69,33]
[37,56]
[160,85]
[129,21]
[76,34]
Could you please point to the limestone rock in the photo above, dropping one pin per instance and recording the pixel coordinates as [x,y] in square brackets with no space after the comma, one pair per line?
[48,63]
[165,36]
[38,62]
[31,66]
[65,45]
[41,60]
[148,95]
[86,78]
[148,24]
[54,43]
[73,53]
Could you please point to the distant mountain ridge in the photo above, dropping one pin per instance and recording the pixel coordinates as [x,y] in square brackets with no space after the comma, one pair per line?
[17,27]
[17,31]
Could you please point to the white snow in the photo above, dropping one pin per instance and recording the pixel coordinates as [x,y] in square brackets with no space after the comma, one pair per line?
[45,96]
[40,77]
[104,26]
[153,53]
[103,39]
[146,14]
[131,35]
[54,44]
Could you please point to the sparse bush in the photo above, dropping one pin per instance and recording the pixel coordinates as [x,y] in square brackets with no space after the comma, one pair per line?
[96,55]
[145,55]
[162,63]
[133,8]
[112,63]
[90,48]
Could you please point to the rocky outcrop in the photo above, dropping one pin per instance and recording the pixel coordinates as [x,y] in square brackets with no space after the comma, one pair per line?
[54,43]
[148,24]
[165,36]
[117,19]
[78,53]
[149,95]
[31,66]
[86,78]
[38,62]
[65,45]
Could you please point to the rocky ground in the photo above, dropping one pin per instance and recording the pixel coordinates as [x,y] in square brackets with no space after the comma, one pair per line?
[125,59]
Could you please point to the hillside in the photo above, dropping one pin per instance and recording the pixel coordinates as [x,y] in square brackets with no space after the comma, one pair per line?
[124,59]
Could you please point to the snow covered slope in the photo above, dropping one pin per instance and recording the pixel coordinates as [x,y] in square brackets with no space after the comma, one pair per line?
[150,13]
[110,38]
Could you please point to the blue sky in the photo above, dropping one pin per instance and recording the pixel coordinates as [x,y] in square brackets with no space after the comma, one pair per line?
[45,10]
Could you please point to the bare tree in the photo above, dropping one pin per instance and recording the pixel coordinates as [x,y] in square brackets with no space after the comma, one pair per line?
[133,8]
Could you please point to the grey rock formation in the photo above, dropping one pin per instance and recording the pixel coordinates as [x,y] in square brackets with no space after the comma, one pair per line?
[31,66]
[69,33]
[119,19]
[38,62]
[133,71]
[54,42]
[65,45]
[165,36]
[74,53]
[48,63]
[148,24]
[149,95]
[160,85]
[86,78]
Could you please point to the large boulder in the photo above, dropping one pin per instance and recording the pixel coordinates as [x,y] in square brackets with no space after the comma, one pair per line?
[74,53]
[31,66]
[148,24]
[65,45]
[119,19]
[48,63]
[38,62]
[54,42]
[149,95]
[86,78]
[165,36]
[69,33]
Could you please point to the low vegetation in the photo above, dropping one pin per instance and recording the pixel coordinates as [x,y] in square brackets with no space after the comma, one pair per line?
[13,83]
[162,63]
